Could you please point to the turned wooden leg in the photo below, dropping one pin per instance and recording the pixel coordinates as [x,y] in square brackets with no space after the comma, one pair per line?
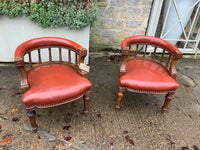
[86,99]
[168,98]
[119,98]
[31,114]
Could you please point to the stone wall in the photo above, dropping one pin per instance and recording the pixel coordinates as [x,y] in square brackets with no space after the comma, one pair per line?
[117,20]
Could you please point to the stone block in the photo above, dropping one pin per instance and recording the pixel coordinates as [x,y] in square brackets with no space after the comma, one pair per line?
[102,3]
[111,24]
[146,2]
[102,12]
[117,3]
[121,35]
[134,3]
[133,24]
[113,12]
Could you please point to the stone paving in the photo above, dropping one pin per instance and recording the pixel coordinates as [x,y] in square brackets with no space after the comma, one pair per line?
[139,124]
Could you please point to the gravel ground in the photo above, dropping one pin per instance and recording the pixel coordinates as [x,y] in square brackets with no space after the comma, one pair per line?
[139,124]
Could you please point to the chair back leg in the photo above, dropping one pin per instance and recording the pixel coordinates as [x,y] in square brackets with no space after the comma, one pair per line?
[120,95]
[168,98]
[31,114]
[86,99]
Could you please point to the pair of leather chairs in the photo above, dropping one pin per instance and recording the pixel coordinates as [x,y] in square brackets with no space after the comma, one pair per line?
[52,83]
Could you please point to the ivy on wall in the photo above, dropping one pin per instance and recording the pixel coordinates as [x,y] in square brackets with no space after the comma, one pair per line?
[75,14]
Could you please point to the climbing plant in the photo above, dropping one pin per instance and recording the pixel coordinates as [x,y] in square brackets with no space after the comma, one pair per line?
[75,14]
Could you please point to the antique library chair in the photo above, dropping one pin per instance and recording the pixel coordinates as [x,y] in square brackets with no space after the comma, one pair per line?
[150,74]
[48,83]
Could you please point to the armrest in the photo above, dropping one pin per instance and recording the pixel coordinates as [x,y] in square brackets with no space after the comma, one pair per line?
[82,54]
[172,69]
[122,65]
[19,62]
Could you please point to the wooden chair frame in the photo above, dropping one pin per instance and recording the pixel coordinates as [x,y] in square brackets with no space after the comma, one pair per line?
[39,44]
[170,66]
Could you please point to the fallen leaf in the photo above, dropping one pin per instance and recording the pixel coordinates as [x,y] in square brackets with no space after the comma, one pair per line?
[15,119]
[184,148]
[66,127]
[39,137]
[131,142]
[127,137]
[68,138]
[14,110]
[188,90]
[99,115]
[5,141]
[125,131]
[0,128]
[195,147]
[75,105]
[155,104]
[34,144]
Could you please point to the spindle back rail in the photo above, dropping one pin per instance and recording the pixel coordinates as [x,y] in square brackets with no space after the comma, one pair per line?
[65,55]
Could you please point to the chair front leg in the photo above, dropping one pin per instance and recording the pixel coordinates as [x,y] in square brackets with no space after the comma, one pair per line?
[31,114]
[86,99]
[168,98]
[120,95]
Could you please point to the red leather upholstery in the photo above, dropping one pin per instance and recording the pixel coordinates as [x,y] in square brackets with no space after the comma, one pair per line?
[45,42]
[54,84]
[142,39]
[147,76]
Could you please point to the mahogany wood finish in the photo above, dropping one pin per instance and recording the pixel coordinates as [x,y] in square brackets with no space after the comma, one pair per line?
[142,74]
[31,74]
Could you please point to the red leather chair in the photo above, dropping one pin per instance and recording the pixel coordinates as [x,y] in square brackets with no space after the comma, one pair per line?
[150,75]
[51,83]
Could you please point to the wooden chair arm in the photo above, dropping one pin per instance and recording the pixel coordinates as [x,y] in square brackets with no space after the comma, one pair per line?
[82,54]
[122,65]
[172,69]
[19,62]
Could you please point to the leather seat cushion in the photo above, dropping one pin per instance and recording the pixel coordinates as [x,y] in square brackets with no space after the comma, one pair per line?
[145,75]
[54,84]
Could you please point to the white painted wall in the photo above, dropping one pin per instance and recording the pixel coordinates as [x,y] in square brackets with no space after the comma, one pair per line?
[15,31]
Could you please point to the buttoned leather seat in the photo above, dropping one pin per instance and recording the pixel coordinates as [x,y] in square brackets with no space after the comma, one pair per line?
[54,84]
[148,76]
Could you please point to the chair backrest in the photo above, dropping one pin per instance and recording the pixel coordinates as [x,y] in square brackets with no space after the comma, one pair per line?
[56,50]
[161,51]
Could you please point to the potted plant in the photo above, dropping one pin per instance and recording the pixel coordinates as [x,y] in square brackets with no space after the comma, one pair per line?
[21,20]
